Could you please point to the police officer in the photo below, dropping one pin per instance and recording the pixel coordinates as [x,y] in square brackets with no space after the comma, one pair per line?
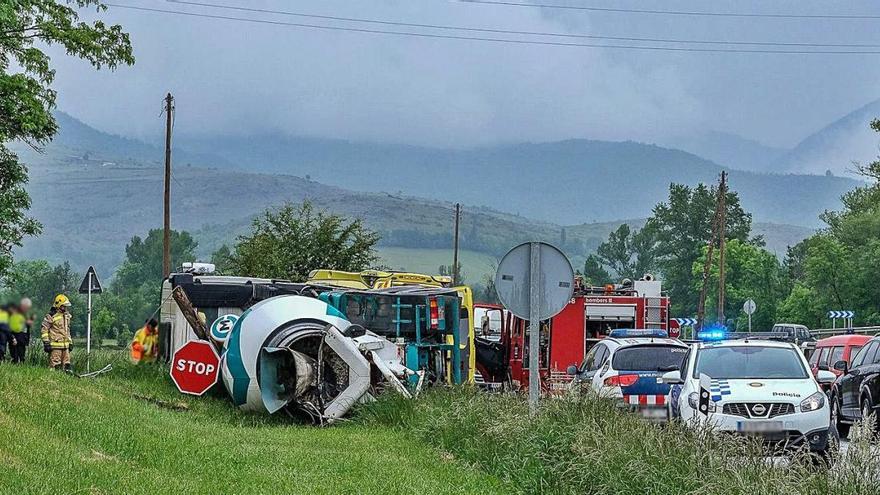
[55,333]
[4,330]
[20,322]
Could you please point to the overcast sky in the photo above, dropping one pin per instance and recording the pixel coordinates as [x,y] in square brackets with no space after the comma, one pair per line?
[237,77]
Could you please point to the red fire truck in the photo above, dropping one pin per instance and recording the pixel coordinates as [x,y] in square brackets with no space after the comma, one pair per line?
[590,315]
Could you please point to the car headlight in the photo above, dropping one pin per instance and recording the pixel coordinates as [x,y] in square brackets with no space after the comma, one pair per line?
[694,402]
[813,402]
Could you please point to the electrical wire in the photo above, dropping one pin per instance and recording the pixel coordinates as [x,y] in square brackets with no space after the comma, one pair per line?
[515,32]
[506,3]
[493,40]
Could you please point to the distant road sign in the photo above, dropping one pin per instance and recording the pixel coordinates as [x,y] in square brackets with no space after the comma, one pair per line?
[94,286]
[841,314]
[555,281]
[195,367]
[749,306]
[686,322]
[222,326]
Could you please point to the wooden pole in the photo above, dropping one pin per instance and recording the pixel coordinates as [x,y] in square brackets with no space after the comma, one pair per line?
[190,314]
[455,275]
[722,233]
[166,236]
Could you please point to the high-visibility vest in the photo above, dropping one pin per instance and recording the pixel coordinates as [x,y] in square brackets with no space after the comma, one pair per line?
[4,319]
[144,346]
[17,323]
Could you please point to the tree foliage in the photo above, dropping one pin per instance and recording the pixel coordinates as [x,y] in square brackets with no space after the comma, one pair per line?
[751,272]
[630,254]
[681,227]
[289,242]
[594,272]
[26,96]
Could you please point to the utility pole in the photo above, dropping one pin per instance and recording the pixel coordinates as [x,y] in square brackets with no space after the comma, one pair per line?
[455,245]
[716,220]
[722,233]
[166,237]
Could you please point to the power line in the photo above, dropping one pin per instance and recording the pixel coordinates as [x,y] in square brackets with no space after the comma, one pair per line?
[494,40]
[673,12]
[525,33]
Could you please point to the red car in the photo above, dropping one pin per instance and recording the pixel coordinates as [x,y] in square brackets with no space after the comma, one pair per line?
[833,349]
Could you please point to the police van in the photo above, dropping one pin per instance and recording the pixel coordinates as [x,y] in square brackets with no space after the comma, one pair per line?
[753,387]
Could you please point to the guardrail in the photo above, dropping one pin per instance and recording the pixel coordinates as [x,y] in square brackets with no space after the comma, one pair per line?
[830,332]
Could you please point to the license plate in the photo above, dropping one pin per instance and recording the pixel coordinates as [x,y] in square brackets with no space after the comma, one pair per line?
[653,413]
[759,426]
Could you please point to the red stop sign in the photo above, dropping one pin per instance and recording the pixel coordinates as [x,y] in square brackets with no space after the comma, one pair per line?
[674,329]
[195,367]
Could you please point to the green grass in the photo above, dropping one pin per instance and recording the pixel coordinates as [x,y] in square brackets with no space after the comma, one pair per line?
[473,264]
[585,445]
[61,434]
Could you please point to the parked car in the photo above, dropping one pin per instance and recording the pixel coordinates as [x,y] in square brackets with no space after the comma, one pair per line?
[796,334]
[856,393]
[833,349]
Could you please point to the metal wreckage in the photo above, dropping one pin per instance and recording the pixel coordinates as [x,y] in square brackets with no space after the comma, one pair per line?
[316,349]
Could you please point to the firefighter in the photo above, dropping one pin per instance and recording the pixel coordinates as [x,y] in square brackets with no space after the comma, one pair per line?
[4,330]
[55,334]
[145,345]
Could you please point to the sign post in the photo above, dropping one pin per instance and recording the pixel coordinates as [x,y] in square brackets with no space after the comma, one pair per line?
[89,285]
[195,367]
[534,282]
[749,307]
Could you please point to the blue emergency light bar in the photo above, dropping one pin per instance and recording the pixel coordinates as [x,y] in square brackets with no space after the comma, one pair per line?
[712,333]
[629,333]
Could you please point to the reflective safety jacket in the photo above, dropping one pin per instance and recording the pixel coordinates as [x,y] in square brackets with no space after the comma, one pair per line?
[18,323]
[145,346]
[4,319]
[55,330]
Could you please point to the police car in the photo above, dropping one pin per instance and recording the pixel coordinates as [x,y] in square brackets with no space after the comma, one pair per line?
[753,387]
[628,365]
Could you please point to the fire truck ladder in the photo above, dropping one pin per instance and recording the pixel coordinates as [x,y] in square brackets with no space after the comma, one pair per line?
[654,312]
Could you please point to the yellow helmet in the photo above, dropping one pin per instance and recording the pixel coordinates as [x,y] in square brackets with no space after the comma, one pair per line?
[60,300]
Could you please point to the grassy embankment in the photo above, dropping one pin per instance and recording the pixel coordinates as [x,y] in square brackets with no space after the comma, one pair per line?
[589,446]
[131,432]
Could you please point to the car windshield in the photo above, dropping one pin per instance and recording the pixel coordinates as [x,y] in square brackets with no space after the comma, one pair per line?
[648,357]
[749,362]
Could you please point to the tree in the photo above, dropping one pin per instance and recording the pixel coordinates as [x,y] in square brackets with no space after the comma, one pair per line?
[26,97]
[291,241]
[751,272]
[629,253]
[446,270]
[681,228]
[143,258]
[594,272]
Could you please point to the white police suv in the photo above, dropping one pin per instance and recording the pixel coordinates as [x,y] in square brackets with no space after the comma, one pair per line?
[756,387]
[628,365]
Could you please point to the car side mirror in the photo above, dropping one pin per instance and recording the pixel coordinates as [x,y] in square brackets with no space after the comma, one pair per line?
[672,378]
[841,366]
[572,370]
[825,377]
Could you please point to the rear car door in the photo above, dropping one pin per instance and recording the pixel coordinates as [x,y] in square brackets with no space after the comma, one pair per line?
[850,383]
[871,378]
[646,363]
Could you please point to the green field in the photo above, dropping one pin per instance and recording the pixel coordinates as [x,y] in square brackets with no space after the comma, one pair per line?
[114,434]
[474,265]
